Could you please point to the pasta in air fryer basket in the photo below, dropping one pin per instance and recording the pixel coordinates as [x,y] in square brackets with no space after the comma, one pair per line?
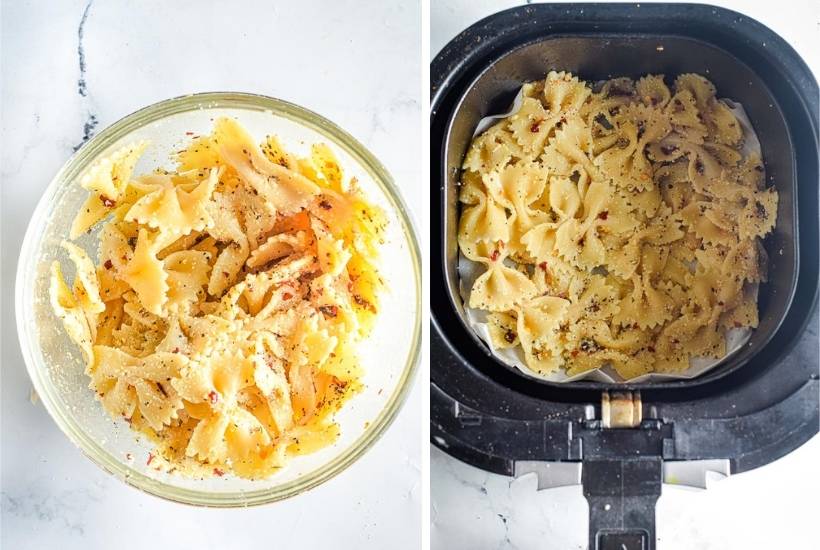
[616,227]
[223,314]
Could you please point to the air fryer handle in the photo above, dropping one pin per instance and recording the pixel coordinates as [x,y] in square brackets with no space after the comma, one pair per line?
[622,495]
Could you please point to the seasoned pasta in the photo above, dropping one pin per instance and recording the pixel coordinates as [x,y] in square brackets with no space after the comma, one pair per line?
[619,225]
[223,313]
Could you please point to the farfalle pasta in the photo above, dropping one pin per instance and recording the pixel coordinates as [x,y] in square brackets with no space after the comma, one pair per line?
[222,315]
[618,225]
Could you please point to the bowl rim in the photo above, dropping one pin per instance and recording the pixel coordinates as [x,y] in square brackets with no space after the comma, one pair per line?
[80,160]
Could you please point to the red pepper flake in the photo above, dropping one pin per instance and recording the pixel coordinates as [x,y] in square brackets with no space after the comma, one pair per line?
[324,205]
[176,350]
[651,349]
[603,215]
[509,336]
[108,264]
[189,133]
[495,254]
[536,126]
[226,274]
[108,203]
[150,459]
[218,472]
[329,311]
[575,353]
[543,266]
[287,296]
[213,397]
[364,303]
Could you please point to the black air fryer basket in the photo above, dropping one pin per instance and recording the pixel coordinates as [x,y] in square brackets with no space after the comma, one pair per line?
[760,403]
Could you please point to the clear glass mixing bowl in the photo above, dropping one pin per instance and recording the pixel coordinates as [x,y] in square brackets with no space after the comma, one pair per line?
[390,355]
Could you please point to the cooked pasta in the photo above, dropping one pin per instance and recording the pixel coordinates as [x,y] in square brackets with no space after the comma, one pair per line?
[618,225]
[223,313]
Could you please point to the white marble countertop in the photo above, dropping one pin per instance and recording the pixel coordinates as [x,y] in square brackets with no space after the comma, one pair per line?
[771,507]
[330,57]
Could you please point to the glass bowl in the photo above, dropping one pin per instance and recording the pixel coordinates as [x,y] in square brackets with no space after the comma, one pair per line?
[390,355]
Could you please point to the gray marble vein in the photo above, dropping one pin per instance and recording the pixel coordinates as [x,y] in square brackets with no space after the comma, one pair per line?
[91,121]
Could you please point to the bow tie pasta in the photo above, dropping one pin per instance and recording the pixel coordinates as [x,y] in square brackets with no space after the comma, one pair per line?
[618,225]
[223,314]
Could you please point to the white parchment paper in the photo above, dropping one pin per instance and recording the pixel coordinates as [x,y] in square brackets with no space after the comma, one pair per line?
[469,271]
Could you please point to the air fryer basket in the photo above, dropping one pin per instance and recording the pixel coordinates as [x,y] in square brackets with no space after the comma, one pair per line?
[757,405]
[525,43]
[599,57]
